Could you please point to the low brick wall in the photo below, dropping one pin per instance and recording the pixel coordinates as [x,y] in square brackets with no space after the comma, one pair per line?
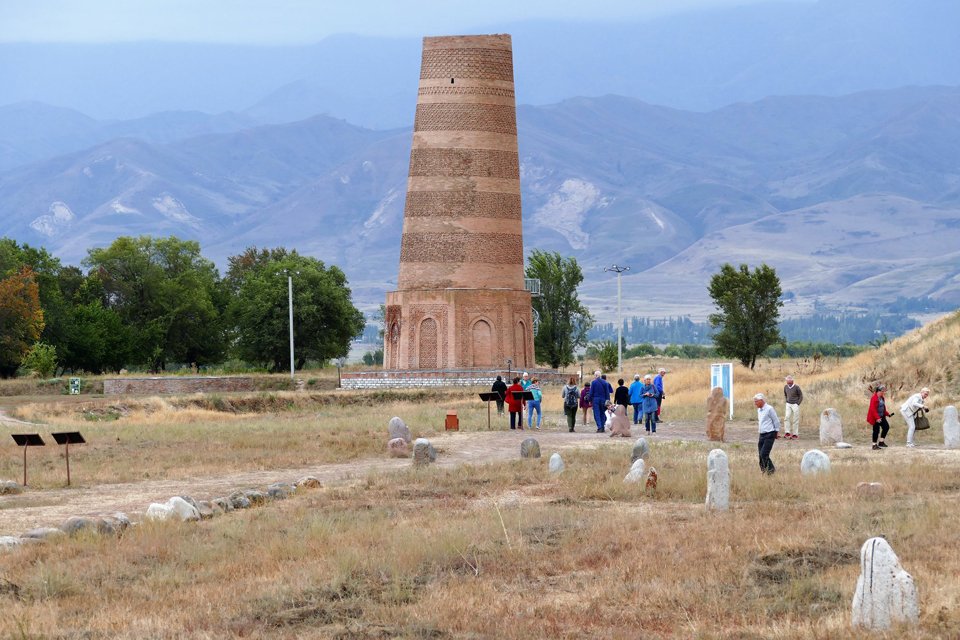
[452,378]
[177,384]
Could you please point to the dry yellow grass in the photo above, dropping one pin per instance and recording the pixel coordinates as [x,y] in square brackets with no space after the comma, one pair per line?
[499,550]
[504,551]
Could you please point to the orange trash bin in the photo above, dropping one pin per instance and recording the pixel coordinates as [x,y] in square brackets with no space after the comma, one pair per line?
[453,423]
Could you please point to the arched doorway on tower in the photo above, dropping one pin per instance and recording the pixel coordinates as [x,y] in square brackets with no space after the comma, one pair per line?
[427,346]
[481,344]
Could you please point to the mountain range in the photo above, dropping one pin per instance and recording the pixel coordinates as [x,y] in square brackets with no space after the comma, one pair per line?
[855,200]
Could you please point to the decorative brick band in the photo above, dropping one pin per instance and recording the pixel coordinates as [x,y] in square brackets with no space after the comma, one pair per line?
[482,64]
[464,162]
[453,90]
[496,118]
[458,248]
[462,204]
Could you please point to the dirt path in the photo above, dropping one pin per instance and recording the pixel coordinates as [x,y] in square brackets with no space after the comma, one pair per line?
[50,507]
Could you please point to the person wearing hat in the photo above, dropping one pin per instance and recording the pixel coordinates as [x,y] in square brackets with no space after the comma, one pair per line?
[791,411]
[877,417]
[769,427]
[910,409]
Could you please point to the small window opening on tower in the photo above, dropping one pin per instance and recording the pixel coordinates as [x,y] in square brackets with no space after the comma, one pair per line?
[451,80]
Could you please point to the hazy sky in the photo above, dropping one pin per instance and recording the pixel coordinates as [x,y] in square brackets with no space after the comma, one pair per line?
[295,21]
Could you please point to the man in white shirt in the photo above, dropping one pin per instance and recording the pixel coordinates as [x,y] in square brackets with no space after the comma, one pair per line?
[769,427]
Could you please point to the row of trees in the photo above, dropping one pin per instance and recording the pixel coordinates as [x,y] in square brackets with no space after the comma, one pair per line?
[150,302]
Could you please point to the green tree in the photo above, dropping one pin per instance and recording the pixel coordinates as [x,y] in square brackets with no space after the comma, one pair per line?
[21,319]
[324,318]
[748,309]
[41,359]
[167,294]
[564,321]
[606,354]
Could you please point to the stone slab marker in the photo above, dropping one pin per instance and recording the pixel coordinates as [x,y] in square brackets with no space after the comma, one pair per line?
[637,471]
[814,462]
[831,427]
[951,428]
[556,464]
[641,450]
[718,481]
[717,407]
[885,594]
[423,452]
[530,448]
[399,429]
[460,298]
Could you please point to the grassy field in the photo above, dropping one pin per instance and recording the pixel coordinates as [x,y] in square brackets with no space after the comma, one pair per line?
[499,550]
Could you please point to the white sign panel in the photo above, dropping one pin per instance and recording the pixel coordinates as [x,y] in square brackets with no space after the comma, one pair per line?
[721,375]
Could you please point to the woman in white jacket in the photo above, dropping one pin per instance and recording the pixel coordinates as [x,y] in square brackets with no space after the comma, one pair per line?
[913,404]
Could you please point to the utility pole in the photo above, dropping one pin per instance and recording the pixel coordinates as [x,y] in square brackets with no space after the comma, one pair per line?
[290,275]
[618,270]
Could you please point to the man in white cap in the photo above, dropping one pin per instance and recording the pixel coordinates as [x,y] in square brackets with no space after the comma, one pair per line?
[769,427]
[910,409]
[791,413]
[525,380]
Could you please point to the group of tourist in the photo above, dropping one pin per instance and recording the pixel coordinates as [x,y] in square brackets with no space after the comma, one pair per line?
[515,405]
[646,398]
[768,424]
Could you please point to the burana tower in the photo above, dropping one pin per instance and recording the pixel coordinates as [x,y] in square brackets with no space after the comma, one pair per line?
[461,301]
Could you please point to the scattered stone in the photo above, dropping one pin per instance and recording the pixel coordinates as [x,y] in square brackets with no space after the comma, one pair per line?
[871,490]
[238,500]
[637,471]
[717,407]
[9,542]
[843,445]
[223,503]
[280,491]
[652,479]
[207,509]
[43,533]
[398,448]
[399,429]
[620,424]
[831,427]
[175,508]
[423,452]
[641,450]
[814,462]
[718,480]
[309,482]
[556,465]
[255,496]
[885,594]
[76,524]
[530,448]
[9,487]
[193,503]
[113,525]
[951,428]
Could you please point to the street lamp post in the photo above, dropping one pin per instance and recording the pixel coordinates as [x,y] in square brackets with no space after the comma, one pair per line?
[618,270]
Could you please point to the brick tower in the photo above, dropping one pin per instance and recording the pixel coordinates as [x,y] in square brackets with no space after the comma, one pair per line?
[461,301]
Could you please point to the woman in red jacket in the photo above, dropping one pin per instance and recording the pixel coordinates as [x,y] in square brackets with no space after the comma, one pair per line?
[877,416]
[515,406]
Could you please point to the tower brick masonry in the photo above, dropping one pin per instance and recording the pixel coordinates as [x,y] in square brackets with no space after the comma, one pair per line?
[461,301]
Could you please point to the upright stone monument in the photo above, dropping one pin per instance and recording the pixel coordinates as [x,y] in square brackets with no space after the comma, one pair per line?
[460,299]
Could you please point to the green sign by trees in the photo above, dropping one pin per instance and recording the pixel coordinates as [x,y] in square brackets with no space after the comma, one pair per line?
[748,309]
[564,321]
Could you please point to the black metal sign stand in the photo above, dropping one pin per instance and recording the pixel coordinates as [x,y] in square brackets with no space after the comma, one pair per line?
[522,395]
[67,438]
[27,440]
[488,397]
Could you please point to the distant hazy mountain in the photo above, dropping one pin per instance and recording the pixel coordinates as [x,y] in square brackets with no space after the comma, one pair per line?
[853,199]
[698,59]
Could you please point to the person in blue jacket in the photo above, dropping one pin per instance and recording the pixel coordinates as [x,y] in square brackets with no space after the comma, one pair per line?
[636,399]
[658,383]
[599,394]
[649,395]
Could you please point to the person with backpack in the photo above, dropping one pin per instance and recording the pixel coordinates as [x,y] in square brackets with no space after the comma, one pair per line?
[571,401]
